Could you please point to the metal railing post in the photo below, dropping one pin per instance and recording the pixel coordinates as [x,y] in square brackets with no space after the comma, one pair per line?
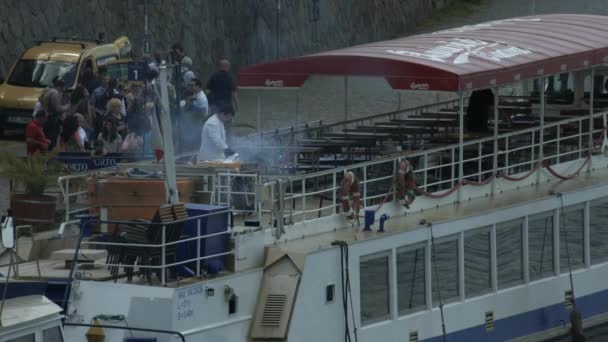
[425,170]
[460,143]
[495,158]
[395,179]
[557,142]
[580,139]
[198,247]
[304,199]
[334,182]
[66,199]
[591,100]
[365,186]
[507,155]
[453,176]
[479,162]
[541,152]
[533,146]
[163,279]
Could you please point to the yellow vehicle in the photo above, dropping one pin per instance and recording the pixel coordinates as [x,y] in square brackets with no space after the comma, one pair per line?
[40,64]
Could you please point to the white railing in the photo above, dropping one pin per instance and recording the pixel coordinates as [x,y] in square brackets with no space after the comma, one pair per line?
[436,169]
[164,244]
[69,194]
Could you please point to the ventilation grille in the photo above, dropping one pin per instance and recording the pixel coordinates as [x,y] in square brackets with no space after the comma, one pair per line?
[569,299]
[489,320]
[414,336]
[273,310]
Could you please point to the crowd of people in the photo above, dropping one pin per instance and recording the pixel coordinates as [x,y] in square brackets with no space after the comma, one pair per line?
[102,115]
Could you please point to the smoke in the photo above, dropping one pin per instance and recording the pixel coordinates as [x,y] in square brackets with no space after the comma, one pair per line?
[265,151]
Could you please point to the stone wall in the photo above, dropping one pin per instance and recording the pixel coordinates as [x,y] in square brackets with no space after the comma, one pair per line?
[245,31]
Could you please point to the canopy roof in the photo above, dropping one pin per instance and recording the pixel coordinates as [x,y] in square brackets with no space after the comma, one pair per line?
[469,57]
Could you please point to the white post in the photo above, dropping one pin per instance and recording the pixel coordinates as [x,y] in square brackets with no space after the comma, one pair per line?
[297,109]
[169,155]
[259,119]
[495,161]
[541,137]
[591,98]
[460,142]
[345,98]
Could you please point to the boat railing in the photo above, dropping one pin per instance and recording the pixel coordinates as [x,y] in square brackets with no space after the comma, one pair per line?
[166,246]
[514,156]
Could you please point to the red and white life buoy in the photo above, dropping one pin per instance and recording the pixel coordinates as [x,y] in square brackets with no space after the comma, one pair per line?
[405,183]
[349,186]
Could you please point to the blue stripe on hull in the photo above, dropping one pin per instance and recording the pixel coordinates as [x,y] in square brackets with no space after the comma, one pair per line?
[530,322]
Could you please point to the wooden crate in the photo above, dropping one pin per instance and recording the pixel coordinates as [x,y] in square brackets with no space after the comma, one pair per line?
[129,199]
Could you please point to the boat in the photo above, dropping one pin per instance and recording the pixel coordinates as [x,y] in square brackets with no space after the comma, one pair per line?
[445,234]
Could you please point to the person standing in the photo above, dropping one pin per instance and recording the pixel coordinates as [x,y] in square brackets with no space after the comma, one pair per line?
[53,105]
[194,114]
[35,138]
[187,77]
[221,88]
[213,136]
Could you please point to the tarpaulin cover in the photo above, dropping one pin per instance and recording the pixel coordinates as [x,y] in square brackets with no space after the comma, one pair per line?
[470,57]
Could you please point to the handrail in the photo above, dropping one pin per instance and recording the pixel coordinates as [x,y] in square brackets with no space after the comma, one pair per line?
[521,157]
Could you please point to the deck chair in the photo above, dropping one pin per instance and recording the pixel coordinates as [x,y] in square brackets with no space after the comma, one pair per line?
[144,232]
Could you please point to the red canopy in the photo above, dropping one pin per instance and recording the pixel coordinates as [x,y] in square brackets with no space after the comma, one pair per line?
[469,57]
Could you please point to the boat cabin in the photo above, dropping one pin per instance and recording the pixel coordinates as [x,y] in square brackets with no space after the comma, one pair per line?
[31,319]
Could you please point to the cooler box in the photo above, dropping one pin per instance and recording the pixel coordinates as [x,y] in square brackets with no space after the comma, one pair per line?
[209,246]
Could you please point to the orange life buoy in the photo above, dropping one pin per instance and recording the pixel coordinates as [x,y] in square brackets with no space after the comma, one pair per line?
[349,186]
[405,183]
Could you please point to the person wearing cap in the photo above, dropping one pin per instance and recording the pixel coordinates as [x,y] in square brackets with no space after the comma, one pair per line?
[213,137]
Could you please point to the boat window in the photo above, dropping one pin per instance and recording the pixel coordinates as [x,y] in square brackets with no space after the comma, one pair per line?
[411,278]
[24,338]
[598,229]
[571,237]
[477,265]
[445,272]
[374,288]
[52,335]
[540,245]
[509,253]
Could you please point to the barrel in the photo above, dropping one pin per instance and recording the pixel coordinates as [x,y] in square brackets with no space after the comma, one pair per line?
[37,211]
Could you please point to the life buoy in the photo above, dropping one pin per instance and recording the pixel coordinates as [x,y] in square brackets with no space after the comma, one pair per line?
[349,186]
[405,183]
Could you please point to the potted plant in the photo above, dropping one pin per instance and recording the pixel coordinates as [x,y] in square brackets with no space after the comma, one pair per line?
[33,174]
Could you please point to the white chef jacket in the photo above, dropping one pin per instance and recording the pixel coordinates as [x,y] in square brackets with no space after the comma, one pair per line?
[213,140]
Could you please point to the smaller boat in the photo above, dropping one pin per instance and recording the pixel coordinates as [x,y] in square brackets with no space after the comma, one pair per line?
[31,319]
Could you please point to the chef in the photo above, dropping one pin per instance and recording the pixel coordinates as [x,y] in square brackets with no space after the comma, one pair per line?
[213,138]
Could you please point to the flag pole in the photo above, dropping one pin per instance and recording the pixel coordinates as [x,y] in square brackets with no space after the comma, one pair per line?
[167,132]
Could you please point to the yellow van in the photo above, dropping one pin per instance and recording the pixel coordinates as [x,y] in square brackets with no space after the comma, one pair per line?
[40,64]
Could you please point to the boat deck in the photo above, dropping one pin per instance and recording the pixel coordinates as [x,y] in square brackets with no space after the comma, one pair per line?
[445,213]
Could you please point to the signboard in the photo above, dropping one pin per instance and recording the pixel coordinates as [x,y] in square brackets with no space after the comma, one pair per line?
[136,71]
[74,162]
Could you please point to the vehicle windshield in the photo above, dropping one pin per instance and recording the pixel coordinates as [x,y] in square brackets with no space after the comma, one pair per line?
[40,73]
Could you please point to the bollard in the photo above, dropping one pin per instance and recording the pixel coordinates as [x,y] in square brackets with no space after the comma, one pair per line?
[369,219]
[383,218]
